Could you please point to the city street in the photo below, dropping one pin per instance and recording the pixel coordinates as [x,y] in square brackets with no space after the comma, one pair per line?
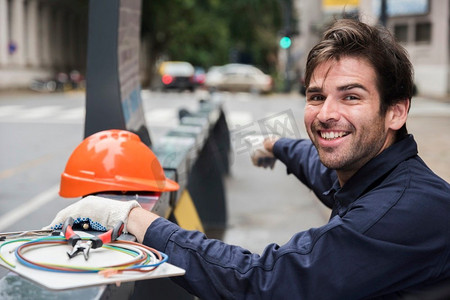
[193,81]
[39,131]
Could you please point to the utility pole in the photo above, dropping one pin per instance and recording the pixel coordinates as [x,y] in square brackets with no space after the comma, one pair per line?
[383,13]
[287,32]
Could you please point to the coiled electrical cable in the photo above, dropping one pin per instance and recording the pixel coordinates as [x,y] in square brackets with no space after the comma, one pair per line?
[144,259]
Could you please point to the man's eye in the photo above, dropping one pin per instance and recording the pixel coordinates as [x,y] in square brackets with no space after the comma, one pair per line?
[351,97]
[316,98]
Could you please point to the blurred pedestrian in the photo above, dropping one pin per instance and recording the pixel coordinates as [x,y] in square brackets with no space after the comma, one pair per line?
[75,79]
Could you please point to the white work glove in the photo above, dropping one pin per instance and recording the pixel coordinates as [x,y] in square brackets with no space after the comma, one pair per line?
[260,156]
[101,213]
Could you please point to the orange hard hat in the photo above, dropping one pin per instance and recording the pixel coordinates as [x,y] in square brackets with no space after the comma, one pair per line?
[113,160]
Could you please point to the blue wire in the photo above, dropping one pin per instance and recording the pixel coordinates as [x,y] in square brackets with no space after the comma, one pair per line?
[163,260]
[23,262]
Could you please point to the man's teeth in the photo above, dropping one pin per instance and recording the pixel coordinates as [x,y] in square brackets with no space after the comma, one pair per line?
[332,135]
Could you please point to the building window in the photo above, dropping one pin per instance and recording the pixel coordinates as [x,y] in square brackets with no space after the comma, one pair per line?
[401,32]
[423,32]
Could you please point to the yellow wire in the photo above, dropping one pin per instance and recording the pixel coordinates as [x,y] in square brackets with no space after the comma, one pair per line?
[9,242]
[122,249]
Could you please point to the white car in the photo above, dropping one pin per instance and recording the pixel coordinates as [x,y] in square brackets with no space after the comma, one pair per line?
[238,77]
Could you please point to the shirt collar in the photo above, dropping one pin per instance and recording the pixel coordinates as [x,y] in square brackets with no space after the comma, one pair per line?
[373,171]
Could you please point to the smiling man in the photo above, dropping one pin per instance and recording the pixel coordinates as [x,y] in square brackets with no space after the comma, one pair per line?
[389,231]
[389,220]
[343,115]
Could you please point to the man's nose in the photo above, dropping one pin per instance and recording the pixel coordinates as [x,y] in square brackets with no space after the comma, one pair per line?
[329,110]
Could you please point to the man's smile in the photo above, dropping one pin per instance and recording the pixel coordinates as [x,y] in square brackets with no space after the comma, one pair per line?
[330,134]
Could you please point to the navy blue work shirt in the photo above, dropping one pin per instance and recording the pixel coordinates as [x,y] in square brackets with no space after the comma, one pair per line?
[389,232]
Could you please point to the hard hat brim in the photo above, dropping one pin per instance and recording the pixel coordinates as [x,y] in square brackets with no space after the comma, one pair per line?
[73,186]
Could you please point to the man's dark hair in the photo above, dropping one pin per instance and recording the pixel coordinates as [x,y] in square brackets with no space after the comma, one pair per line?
[353,38]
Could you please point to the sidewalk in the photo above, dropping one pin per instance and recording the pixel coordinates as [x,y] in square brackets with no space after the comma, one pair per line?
[268,206]
[429,122]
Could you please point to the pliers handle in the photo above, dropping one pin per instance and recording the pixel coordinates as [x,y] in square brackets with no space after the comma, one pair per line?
[108,237]
[84,246]
[71,237]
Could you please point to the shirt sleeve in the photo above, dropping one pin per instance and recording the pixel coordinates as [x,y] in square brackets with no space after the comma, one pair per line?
[302,160]
[320,263]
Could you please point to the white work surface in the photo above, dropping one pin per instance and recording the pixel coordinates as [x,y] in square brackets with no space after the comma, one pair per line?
[57,254]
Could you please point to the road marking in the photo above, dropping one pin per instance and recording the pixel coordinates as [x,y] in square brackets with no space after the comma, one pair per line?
[77,113]
[239,119]
[22,167]
[9,110]
[162,116]
[49,114]
[39,112]
[186,214]
[29,207]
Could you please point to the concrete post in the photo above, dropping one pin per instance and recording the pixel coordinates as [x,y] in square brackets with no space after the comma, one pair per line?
[58,44]
[81,28]
[45,36]
[71,42]
[32,50]
[4,24]
[17,41]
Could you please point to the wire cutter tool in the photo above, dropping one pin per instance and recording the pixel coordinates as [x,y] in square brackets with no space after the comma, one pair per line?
[84,245]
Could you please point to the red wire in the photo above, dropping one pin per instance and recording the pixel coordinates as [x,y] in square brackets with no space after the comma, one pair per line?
[108,271]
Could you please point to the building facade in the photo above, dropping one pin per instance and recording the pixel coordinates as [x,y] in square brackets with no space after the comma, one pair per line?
[421,26]
[40,38]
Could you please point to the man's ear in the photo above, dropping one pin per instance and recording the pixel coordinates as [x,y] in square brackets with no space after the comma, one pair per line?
[397,114]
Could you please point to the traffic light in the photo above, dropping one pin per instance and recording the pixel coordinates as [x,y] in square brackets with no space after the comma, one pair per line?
[285,42]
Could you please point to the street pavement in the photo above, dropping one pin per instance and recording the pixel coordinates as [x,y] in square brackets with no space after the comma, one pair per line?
[429,122]
[254,223]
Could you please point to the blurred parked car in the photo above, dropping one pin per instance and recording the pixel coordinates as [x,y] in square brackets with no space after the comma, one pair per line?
[199,76]
[238,77]
[177,75]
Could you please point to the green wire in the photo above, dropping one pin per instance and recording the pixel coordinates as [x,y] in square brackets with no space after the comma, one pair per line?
[10,242]
[111,247]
